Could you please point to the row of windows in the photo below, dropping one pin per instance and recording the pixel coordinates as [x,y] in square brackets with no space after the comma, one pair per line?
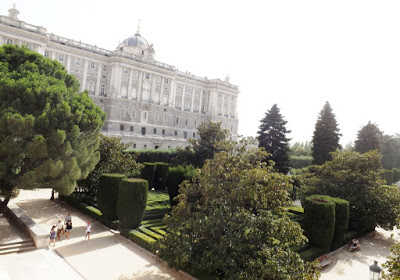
[143,131]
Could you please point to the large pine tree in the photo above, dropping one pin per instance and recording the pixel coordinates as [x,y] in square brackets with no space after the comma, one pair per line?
[368,138]
[326,136]
[272,137]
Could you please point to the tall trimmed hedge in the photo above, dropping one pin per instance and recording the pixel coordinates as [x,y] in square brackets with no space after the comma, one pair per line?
[107,195]
[298,162]
[342,209]
[319,221]
[160,176]
[176,175]
[132,200]
[396,175]
[388,176]
[148,173]
[154,155]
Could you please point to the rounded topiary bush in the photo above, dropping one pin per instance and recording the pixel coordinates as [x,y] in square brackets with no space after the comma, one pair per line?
[319,221]
[107,195]
[148,173]
[342,209]
[160,177]
[131,204]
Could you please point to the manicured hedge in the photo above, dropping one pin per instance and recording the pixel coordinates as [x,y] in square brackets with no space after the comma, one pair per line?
[341,221]
[160,176]
[388,176]
[176,175]
[131,204]
[148,173]
[142,240]
[297,162]
[396,175]
[312,253]
[154,155]
[107,195]
[319,221]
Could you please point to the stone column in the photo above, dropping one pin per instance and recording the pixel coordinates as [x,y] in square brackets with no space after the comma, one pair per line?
[139,89]
[85,70]
[99,70]
[130,84]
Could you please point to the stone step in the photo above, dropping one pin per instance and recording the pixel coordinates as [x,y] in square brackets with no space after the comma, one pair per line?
[14,247]
[17,250]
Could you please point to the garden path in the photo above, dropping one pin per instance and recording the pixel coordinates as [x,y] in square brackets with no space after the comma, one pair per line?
[106,256]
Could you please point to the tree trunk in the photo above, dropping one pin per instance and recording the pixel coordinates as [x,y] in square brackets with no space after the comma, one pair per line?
[52,194]
[3,204]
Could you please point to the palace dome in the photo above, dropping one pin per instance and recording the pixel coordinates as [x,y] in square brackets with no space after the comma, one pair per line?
[135,40]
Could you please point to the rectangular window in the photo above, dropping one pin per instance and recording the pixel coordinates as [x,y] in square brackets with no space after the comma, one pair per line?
[145,115]
[155,130]
[92,65]
[10,41]
[105,68]
[46,53]
[177,120]
[147,76]
[185,134]
[103,90]
[194,135]
[145,146]
[61,57]
[166,81]
[121,127]
[77,61]
[163,132]
[176,133]
[143,131]
[133,114]
[134,146]
[186,122]
[131,128]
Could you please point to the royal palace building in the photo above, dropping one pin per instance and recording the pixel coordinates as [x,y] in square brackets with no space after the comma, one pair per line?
[148,103]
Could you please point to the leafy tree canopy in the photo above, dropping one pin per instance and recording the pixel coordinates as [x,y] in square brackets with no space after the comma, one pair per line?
[210,142]
[392,265]
[326,135]
[356,178]
[368,138]
[113,159]
[231,221]
[272,137]
[49,133]
[391,151]
[300,149]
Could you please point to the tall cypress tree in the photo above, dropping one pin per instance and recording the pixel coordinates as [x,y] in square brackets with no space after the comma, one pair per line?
[368,138]
[272,137]
[326,136]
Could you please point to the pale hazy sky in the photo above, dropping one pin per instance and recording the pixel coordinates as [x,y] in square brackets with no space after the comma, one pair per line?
[297,54]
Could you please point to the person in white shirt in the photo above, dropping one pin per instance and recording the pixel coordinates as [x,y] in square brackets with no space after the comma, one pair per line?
[88,229]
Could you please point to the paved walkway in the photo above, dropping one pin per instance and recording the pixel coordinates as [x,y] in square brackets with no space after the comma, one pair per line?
[106,256]
[351,266]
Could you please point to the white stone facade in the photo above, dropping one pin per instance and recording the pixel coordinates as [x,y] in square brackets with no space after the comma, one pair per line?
[149,103]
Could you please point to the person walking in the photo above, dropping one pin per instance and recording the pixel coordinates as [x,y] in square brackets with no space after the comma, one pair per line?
[88,229]
[53,236]
[68,228]
[60,228]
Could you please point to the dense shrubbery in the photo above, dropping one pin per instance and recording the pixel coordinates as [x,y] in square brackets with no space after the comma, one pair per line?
[356,178]
[319,221]
[131,204]
[219,225]
[112,160]
[107,195]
